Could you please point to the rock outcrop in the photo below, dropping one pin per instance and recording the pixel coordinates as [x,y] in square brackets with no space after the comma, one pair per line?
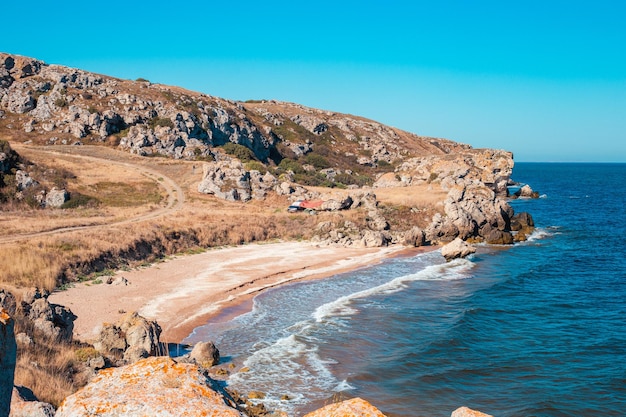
[458,248]
[131,339]
[149,387]
[355,407]
[8,357]
[53,320]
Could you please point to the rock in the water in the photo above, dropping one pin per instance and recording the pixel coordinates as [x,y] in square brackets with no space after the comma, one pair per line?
[457,249]
[25,404]
[468,412]
[355,407]
[150,387]
[8,352]
[205,354]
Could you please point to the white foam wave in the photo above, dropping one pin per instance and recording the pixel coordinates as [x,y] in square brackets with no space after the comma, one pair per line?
[539,234]
[287,367]
[341,307]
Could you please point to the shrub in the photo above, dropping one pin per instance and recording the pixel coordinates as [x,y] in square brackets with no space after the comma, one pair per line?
[239,151]
[318,161]
[80,200]
[142,80]
[256,166]
[60,102]
[160,121]
[291,165]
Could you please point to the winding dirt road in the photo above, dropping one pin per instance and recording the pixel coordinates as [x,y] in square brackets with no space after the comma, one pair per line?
[175,195]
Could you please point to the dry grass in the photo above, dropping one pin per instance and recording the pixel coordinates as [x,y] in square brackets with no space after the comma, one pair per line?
[49,367]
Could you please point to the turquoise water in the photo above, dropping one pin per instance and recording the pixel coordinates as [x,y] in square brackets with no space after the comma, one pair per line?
[538,329]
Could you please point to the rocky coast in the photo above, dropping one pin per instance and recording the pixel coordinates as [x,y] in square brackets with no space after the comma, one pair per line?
[377,192]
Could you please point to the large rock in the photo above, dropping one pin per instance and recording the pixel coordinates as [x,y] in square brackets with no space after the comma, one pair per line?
[8,352]
[56,198]
[468,412]
[226,180]
[150,387]
[355,407]
[457,249]
[54,320]
[130,340]
[205,354]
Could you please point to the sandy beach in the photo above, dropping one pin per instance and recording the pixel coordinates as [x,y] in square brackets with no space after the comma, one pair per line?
[184,292]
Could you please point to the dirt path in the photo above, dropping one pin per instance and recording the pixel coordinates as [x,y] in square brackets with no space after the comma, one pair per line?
[175,195]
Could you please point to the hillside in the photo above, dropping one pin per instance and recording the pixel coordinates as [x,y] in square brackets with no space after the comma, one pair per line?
[100,153]
[98,174]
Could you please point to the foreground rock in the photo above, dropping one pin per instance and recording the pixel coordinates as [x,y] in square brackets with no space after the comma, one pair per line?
[468,412]
[457,249]
[8,352]
[150,387]
[355,407]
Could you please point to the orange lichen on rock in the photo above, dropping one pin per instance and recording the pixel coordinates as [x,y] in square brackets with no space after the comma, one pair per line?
[155,386]
[355,407]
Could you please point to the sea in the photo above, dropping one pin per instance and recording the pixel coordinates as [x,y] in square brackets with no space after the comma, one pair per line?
[534,329]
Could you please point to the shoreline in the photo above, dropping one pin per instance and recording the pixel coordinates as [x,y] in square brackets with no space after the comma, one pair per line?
[186,292]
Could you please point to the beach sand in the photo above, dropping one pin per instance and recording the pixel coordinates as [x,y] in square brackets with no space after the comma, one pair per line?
[182,293]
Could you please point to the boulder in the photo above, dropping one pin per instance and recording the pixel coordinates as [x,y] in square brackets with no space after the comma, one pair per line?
[356,407]
[130,340]
[8,357]
[468,412]
[150,387]
[499,237]
[53,320]
[527,192]
[333,204]
[457,249]
[56,198]
[205,354]
[226,180]
[25,404]
[414,237]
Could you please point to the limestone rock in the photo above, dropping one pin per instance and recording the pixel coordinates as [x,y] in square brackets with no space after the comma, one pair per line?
[149,387]
[527,192]
[468,412]
[53,320]
[226,180]
[130,340]
[8,352]
[205,354]
[334,204]
[355,407]
[457,249]
[25,404]
[56,198]
[414,237]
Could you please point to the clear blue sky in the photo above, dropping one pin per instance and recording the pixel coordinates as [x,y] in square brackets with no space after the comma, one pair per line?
[544,79]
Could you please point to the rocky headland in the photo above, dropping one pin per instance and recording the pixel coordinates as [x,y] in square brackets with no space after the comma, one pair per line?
[370,186]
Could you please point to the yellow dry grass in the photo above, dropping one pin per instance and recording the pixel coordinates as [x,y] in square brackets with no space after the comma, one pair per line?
[115,234]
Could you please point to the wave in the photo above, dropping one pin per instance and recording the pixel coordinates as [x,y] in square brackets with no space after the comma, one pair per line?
[456,269]
[290,367]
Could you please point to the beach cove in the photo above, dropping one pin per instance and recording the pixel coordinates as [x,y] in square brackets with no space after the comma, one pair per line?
[183,292]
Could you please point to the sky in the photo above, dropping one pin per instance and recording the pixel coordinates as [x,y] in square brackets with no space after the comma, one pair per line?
[543,79]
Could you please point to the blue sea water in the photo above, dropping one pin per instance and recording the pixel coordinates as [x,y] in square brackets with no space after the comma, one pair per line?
[538,329]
